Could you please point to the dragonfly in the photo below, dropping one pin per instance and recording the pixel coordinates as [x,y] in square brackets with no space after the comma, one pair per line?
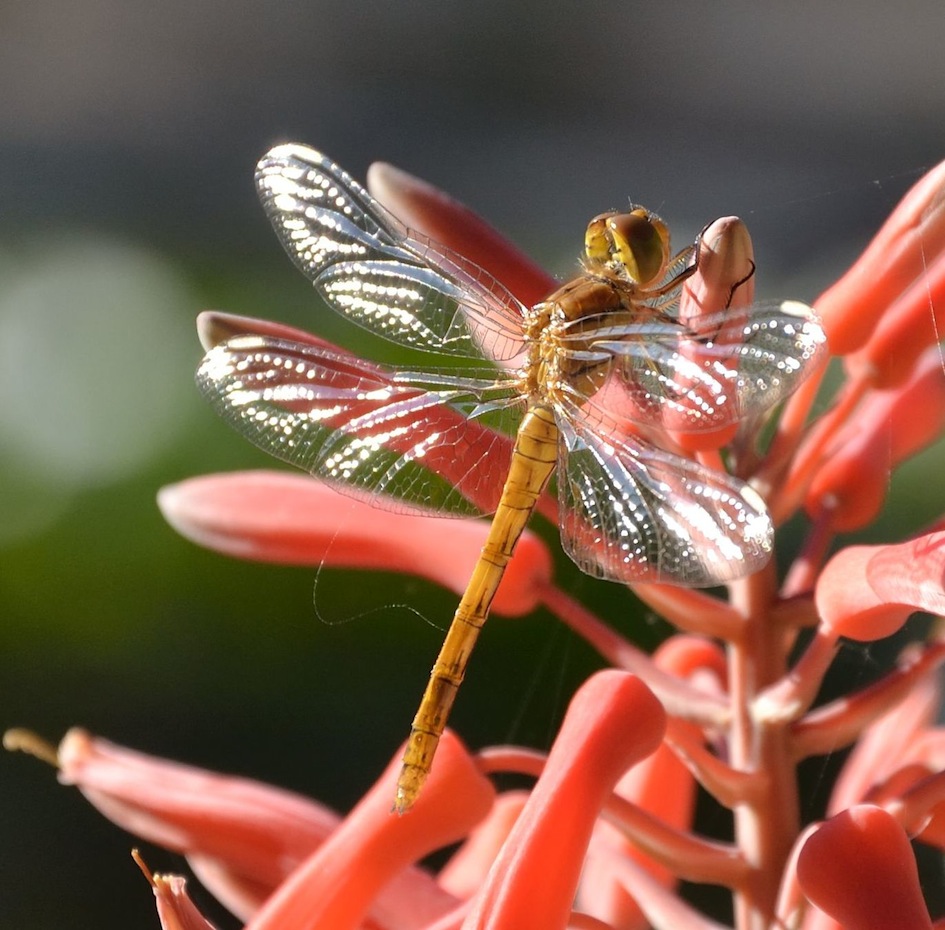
[607,349]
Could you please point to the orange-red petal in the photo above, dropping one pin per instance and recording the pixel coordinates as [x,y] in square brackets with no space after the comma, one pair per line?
[613,722]
[867,592]
[859,868]
[463,875]
[273,516]
[898,255]
[337,885]
[851,485]
[436,214]
[910,324]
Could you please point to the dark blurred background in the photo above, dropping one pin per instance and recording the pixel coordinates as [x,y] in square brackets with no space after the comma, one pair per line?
[128,136]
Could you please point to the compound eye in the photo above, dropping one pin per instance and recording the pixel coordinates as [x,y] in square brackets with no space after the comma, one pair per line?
[641,245]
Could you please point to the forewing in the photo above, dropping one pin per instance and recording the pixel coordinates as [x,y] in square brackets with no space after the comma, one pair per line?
[630,512]
[710,372]
[372,269]
[359,424]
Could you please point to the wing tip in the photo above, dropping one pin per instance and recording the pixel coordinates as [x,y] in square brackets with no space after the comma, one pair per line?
[288,155]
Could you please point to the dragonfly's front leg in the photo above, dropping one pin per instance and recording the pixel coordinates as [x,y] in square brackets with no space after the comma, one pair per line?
[533,461]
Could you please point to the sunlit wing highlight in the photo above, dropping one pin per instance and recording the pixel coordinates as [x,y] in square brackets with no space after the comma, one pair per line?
[630,512]
[735,365]
[369,267]
[360,424]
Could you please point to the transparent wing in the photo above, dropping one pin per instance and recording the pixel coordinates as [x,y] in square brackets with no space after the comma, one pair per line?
[372,269]
[630,512]
[709,372]
[362,425]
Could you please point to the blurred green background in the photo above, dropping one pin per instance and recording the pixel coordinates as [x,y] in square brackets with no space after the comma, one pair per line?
[128,136]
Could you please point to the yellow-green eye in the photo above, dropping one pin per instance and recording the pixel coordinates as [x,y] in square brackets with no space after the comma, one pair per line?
[641,244]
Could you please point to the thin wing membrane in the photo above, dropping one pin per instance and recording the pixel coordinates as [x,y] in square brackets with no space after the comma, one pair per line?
[359,424]
[710,372]
[633,513]
[373,270]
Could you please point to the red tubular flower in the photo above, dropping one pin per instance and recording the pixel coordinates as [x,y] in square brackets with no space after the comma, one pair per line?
[662,785]
[898,764]
[257,831]
[859,868]
[247,838]
[862,593]
[282,517]
[552,833]
[886,745]
[422,206]
[868,592]
[475,443]
[850,487]
[336,887]
[897,257]
[908,327]
[726,278]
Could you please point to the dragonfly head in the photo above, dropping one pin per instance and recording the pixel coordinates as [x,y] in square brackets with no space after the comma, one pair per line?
[634,245]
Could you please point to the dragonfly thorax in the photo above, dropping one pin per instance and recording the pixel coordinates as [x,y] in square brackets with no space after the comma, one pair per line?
[560,331]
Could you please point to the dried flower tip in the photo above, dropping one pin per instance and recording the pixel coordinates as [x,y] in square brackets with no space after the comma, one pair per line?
[175,909]
[21,740]
[140,863]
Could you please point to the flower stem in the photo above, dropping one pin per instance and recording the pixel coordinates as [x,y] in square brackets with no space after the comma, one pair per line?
[680,698]
[767,822]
